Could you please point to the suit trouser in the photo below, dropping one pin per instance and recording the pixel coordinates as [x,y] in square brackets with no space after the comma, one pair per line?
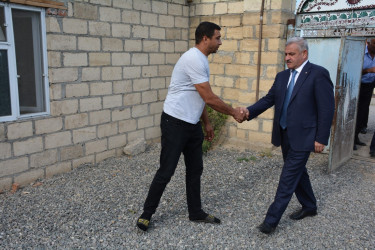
[293,179]
[372,146]
[364,100]
[178,137]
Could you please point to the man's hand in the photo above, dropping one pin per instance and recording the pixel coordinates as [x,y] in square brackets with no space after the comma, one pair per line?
[241,114]
[209,132]
[318,147]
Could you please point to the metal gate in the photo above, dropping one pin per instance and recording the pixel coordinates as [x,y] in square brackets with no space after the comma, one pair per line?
[346,98]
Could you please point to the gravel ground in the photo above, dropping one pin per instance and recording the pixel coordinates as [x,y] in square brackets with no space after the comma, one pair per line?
[97,206]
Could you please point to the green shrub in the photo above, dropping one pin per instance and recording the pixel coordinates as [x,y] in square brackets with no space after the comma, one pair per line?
[217,120]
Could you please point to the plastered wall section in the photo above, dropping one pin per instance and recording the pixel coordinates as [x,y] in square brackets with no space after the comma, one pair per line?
[234,67]
[110,63]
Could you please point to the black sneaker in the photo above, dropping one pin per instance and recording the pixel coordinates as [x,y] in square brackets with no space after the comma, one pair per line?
[143,224]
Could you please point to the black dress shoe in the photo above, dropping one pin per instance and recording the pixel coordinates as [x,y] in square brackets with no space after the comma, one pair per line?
[355,147]
[208,219]
[266,228]
[372,154]
[300,214]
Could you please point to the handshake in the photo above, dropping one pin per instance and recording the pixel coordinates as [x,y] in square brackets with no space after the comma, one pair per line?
[241,114]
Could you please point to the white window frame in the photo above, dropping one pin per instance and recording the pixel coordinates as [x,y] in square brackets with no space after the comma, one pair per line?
[9,45]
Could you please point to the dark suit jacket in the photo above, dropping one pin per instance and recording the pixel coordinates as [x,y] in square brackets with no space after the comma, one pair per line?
[310,110]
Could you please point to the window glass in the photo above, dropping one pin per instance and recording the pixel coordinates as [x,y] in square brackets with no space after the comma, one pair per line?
[5,104]
[26,27]
[2,25]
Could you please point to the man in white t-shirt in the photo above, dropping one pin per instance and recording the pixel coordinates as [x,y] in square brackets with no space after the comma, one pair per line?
[184,107]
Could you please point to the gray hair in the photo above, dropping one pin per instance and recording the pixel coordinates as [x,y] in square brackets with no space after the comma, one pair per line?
[300,41]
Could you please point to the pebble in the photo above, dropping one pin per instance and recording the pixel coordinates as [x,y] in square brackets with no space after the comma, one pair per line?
[97,206]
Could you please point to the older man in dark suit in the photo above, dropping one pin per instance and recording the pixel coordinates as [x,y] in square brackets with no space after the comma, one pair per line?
[304,108]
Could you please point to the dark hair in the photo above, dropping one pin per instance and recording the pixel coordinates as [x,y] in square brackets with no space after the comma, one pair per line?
[205,29]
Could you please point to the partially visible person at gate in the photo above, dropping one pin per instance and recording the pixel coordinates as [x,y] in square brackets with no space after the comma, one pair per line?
[365,92]
[303,113]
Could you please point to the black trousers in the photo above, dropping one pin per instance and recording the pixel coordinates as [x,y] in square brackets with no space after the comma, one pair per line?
[178,137]
[293,179]
[364,100]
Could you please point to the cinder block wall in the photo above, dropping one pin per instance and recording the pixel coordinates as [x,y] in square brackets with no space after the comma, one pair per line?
[110,63]
[234,68]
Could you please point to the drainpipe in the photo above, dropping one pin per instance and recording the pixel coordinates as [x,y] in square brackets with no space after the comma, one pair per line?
[259,49]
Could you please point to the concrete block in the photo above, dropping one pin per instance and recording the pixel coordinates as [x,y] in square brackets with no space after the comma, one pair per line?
[121,87]
[52,25]
[120,30]
[174,9]
[157,83]
[99,28]
[112,44]
[20,130]
[5,150]
[149,18]
[29,176]
[127,125]
[100,88]
[151,46]
[58,140]
[108,129]
[89,43]
[122,114]
[157,33]
[75,59]
[54,59]
[76,121]
[132,72]
[166,21]
[96,146]
[135,135]
[149,71]
[99,59]
[59,168]
[231,21]
[61,42]
[156,107]
[120,59]
[90,74]
[71,152]
[85,11]
[112,101]
[131,17]
[141,84]
[48,125]
[90,104]
[57,75]
[116,141]
[76,90]
[167,46]
[99,117]
[12,166]
[133,45]
[135,147]
[84,134]
[125,4]
[5,184]
[45,158]
[145,122]
[111,73]
[74,26]
[143,5]
[109,14]
[140,31]
[152,133]
[90,159]
[64,107]
[132,99]
[236,7]
[105,155]
[159,7]
[140,59]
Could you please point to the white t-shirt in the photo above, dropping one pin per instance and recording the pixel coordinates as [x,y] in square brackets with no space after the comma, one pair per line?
[183,100]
